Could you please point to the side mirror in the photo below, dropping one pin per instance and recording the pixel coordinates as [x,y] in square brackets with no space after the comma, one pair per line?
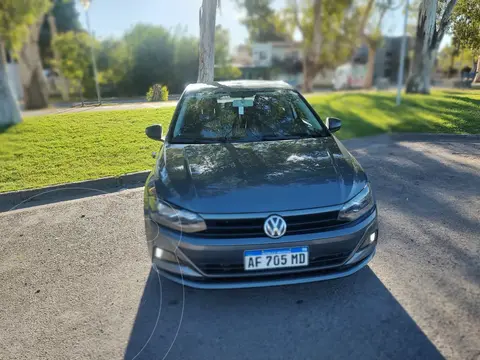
[333,124]
[154,132]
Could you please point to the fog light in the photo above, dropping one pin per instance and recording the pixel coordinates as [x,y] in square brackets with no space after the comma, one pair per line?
[373,236]
[158,253]
[165,255]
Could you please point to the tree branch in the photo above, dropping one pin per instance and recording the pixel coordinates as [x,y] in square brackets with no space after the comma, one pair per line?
[363,22]
[442,28]
[296,17]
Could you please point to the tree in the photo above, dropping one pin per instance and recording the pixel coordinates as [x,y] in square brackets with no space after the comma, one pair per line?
[263,23]
[74,60]
[35,89]
[312,51]
[144,56]
[62,17]
[326,27]
[15,22]
[451,59]
[466,28]
[431,27]
[206,58]
[185,60]
[223,62]
[65,18]
[370,33]
[150,58]
[113,61]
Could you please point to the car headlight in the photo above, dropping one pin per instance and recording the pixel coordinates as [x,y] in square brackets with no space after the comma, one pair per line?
[361,204]
[173,217]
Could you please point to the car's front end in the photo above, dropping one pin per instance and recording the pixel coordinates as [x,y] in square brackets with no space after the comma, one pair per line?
[216,257]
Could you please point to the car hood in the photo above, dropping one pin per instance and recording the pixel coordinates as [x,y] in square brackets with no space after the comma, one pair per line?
[265,176]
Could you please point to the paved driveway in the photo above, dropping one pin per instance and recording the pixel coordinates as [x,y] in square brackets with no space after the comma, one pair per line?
[75,279]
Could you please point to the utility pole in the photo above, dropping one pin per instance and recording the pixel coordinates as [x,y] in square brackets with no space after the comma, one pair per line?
[86,5]
[403,51]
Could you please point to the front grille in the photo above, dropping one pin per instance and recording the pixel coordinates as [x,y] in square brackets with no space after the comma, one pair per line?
[314,263]
[296,224]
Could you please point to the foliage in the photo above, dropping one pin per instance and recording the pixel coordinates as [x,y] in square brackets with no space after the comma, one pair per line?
[16,17]
[113,65]
[149,54]
[185,59]
[223,68]
[145,55]
[157,93]
[222,46]
[227,72]
[339,29]
[466,25]
[452,59]
[75,58]
[263,23]
[66,19]
[42,151]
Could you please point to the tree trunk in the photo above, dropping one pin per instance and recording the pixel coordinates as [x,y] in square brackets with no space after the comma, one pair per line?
[419,80]
[31,71]
[207,18]
[312,53]
[427,41]
[477,75]
[9,112]
[309,74]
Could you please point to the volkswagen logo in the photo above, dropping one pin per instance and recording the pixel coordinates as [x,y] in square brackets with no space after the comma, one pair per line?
[275,226]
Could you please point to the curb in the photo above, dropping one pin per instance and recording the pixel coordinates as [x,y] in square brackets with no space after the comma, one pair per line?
[8,200]
[434,137]
[387,139]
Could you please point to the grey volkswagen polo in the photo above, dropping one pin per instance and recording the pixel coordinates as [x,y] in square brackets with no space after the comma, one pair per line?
[250,188]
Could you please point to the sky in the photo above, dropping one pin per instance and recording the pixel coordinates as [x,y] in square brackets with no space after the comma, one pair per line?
[114,17]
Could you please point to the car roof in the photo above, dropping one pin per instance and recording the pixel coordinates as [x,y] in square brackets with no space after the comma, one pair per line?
[239,85]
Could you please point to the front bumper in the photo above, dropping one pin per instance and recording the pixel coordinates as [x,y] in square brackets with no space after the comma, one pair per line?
[188,255]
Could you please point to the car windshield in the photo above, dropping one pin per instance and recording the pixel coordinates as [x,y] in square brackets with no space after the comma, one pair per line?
[236,116]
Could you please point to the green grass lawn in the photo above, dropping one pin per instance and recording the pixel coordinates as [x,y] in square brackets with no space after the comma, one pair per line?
[69,147]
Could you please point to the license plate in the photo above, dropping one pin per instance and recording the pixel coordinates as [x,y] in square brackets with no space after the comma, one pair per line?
[275,258]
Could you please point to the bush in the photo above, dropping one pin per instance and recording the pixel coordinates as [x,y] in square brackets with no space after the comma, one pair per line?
[157,93]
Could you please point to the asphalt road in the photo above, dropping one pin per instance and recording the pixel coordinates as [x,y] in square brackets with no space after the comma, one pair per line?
[76,284]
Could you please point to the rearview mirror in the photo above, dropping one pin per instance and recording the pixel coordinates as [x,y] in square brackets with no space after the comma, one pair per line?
[154,132]
[333,124]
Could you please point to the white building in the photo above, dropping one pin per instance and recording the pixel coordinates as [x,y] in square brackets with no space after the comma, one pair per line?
[271,53]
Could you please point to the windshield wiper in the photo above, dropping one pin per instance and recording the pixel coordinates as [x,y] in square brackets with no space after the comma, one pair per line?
[186,140]
[290,137]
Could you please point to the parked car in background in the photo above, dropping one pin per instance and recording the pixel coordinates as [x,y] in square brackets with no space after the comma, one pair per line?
[250,188]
